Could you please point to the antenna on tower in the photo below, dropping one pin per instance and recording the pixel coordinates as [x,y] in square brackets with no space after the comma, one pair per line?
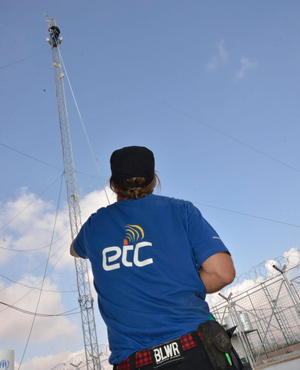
[85,298]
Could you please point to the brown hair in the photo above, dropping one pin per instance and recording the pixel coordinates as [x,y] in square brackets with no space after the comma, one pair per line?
[134,192]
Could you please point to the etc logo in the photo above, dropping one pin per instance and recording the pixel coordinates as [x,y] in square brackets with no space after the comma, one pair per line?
[4,364]
[129,254]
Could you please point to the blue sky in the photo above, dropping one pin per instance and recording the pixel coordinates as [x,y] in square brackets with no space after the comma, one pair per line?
[212,87]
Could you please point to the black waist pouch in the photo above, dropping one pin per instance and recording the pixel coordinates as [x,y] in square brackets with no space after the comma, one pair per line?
[217,343]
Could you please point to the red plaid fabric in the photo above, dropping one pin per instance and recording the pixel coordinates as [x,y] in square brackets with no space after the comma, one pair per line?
[143,358]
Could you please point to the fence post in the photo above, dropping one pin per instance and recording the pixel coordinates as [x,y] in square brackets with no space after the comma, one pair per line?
[290,288]
[240,334]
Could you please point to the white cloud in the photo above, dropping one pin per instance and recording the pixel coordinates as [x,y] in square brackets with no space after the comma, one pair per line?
[47,362]
[246,66]
[221,57]
[15,325]
[292,257]
[5,241]
[223,53]
[95,200]
[212,64]
[270,269]
[28,223]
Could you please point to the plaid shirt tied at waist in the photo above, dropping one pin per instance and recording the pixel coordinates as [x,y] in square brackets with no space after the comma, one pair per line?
[143,358]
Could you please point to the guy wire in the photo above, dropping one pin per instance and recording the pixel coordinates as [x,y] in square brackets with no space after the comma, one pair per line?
[84,129]
[43,281]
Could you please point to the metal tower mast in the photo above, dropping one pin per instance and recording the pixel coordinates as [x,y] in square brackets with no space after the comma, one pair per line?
[83,284]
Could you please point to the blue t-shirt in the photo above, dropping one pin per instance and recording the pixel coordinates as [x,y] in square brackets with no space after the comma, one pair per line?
[145,255]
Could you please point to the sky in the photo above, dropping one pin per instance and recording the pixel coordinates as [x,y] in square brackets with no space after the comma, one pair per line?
[211,87]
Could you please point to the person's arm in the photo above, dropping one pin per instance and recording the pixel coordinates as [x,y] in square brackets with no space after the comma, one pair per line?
[72,251]
[217,272]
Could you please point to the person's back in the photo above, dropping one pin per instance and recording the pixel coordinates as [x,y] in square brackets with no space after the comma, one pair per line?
[154,259]
[145,261]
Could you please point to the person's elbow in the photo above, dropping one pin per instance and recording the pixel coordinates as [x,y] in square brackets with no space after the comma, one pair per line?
[228,275]
[217,272]
[225,268]
[72,250]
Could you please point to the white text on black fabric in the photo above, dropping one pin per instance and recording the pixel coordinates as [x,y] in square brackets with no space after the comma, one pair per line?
[165,352]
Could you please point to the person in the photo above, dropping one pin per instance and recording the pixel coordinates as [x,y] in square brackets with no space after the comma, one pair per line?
[54,34]
[154,259]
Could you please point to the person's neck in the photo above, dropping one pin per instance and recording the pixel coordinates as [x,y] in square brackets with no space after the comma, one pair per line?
[120,199]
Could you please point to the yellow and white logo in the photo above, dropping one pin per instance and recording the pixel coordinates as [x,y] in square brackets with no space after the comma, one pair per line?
[129,254]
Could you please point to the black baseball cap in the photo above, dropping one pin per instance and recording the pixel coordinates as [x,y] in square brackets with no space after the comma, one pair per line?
[132,161]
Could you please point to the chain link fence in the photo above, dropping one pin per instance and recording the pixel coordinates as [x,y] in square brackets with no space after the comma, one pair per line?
[266,316]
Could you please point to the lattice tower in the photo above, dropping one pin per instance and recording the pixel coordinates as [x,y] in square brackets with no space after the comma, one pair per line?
[83,284]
